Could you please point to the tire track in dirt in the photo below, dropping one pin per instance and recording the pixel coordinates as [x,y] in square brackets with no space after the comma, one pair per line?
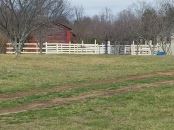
[4,97]
[94,94]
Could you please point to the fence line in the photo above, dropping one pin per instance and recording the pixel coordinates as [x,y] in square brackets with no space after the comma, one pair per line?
[65,48]
[54,48]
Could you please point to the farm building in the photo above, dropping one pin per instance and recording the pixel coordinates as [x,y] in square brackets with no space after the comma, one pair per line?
[52,33]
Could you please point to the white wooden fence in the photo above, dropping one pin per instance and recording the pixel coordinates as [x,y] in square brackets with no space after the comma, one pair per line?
[66,48]
[140,50]
[121,49]
[61,48]
[29,48]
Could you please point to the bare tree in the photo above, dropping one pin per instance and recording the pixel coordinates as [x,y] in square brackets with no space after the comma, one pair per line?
[166,22]
[19,18]
[79,22]
[90,28]
[127,27]
[107,16]
[150,24]
[79,13]
[3,41]
[141,23]
[167,16]
[106,21]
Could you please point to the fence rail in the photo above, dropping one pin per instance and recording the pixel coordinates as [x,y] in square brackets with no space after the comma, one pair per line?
[74,49]
[65,48]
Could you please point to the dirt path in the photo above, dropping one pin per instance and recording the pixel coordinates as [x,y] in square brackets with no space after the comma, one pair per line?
[4,97]
[65,101]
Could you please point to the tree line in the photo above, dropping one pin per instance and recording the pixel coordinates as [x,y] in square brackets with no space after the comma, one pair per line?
[141,22]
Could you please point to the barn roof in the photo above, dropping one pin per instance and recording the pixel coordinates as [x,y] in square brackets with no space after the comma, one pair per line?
[63,25]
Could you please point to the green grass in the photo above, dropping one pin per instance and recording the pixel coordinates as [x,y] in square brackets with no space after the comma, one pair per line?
[77,91]
[39,72]
[148,109]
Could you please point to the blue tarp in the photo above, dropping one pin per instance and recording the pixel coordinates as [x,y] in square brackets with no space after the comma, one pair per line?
[160,53]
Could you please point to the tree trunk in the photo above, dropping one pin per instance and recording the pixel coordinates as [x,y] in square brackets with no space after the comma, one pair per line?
[17,48]
[40,47]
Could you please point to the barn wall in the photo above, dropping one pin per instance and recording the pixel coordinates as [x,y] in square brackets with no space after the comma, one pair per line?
[54,34]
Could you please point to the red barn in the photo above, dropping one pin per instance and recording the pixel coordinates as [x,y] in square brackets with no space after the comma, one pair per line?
[54,33]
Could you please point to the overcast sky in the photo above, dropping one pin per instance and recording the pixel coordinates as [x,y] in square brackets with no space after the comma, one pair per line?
[93,7]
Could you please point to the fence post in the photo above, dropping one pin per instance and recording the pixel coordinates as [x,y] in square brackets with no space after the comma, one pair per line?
[133,48]
[61,47]
[46,47]
[151,48]
[99,49]
[118,49]
[37,50]
[95,46]
[115,48]
[106,47]
[77,48]
[109,47]
[172,44]
[82,46]
[74,48]
[69,47]
[57,48]
[125,49]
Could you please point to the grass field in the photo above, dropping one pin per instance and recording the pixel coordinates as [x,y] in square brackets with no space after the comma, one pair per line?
[86,92]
